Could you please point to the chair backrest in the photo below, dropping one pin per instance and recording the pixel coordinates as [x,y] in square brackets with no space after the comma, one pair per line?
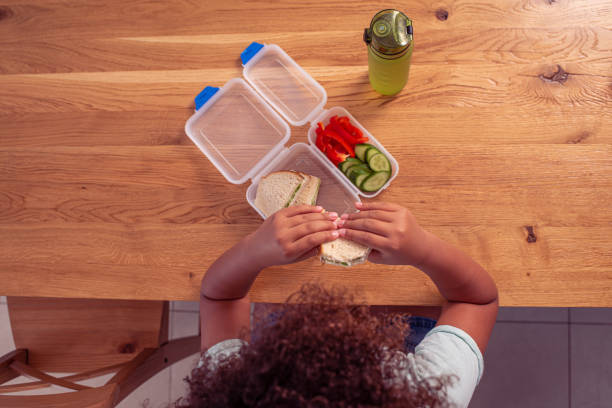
[75,335]
[101,397]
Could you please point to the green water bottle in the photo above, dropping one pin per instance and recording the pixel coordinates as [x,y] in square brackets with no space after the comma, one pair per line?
[389,41]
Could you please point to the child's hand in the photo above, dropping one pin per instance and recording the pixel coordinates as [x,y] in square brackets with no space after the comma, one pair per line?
[390,230]
[291,234]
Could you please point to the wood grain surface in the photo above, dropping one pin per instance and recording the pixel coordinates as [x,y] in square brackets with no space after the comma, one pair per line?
[503,137]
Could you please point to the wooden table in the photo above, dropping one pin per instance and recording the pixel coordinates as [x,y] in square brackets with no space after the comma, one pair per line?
[503,136]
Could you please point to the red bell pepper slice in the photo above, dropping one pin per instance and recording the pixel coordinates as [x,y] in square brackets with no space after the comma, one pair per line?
[335,156]
[346,123]
[320,142]
[352,140]
[319,129]
[336,138]
[349,132]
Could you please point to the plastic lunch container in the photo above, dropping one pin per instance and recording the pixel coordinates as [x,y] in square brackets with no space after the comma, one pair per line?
[238,128]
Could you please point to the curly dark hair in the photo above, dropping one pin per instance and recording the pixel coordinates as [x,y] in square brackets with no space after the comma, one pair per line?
[320,350]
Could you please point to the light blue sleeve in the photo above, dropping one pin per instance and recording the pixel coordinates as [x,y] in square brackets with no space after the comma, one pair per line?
[448,350]
[222,349]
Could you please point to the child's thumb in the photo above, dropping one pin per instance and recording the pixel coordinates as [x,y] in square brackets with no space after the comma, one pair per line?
[311,253]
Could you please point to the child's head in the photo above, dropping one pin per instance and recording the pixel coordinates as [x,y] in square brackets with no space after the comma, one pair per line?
[317,351]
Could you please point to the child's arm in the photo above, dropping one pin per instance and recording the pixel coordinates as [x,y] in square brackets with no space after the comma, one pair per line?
[469,290]
[290,235]
[395,238]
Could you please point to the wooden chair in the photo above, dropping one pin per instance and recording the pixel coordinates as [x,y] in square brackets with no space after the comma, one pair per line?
[91,338]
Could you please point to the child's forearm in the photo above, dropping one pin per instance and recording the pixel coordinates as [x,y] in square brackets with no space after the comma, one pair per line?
[289,235]
[231,275]
[458,277]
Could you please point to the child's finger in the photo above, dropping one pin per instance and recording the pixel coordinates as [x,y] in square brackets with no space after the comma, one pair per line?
[386,216]
[310,217]
[311,241]
[364,238]
[300,209]
[308,254]
[368,225]
[308,228]
[377,205]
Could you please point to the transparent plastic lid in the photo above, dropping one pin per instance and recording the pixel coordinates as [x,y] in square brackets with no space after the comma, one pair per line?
[237,131]
[283,83]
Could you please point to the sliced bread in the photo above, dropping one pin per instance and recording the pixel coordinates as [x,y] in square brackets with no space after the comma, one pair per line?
[277,190]
[307,194]
[343,252]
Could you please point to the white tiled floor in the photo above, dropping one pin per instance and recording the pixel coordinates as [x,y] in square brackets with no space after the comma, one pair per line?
[184,322]
[6,336]
[155,393]
[185,306]
[179,371]
[537,357]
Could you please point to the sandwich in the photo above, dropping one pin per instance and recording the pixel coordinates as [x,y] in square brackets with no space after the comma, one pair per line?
[343,252]
[308,191]
[278,190]
[282,189]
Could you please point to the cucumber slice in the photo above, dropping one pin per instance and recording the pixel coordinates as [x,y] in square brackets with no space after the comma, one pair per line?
[360,150]
[356,169]
[360,177]
[371,152]
[351,161]
[359,172]
[293,194]
[379,162]
[375,181]
[344,165]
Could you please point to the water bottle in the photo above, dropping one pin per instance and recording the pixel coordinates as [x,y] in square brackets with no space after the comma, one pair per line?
[389,42]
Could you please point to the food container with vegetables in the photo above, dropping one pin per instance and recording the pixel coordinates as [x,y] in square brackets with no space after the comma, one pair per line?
[367,164]
[242,128]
